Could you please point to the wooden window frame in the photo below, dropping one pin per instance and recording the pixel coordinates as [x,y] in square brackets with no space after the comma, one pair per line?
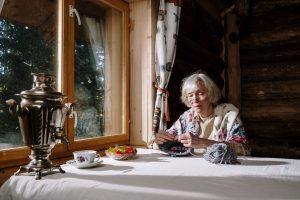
[19,155]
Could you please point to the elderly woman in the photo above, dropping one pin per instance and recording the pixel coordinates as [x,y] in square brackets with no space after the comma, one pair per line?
[206,122]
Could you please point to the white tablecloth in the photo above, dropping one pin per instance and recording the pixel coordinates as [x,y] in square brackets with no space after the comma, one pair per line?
[154,175]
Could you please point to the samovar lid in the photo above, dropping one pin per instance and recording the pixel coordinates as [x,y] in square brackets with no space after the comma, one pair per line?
[43,87]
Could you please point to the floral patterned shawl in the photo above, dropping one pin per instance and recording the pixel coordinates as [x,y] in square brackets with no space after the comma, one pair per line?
[227,127]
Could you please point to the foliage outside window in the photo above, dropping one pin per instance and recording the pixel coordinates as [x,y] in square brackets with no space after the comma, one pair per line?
[26,46]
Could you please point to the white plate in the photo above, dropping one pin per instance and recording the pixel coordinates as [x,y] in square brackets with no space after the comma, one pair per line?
[90,165]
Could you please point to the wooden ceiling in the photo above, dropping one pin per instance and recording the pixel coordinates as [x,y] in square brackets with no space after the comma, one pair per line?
[36,13]
[33,13]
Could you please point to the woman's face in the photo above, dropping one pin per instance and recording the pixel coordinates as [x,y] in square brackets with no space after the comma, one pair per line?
[198,98]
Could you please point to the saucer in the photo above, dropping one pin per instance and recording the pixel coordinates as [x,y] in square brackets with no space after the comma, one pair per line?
[89,165]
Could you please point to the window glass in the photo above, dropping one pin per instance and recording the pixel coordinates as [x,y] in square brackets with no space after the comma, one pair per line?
[27,45]
[99,70]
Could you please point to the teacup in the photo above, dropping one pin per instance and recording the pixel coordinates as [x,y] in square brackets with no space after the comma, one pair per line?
[85,157]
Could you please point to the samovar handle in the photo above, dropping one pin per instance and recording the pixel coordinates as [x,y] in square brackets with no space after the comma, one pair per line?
[14,107]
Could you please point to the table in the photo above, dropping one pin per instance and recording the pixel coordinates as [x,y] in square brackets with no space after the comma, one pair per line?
[154,175]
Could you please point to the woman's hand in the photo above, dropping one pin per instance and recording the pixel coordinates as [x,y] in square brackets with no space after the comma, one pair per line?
[190,140]
[162,137]
[187,139]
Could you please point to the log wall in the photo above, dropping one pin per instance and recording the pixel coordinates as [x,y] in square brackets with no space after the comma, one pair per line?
[261,70]
[270,78]
[199,47]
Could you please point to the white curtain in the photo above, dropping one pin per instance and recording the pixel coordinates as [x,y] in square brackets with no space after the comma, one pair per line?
[166,35]
[95,30]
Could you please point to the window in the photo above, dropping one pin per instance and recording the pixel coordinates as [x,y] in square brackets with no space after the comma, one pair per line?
[27,44]
[97,46]
[90,62]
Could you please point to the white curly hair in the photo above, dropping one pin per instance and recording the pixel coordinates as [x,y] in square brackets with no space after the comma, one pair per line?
[189,83]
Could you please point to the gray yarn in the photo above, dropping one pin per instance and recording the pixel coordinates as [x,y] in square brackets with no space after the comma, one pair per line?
[221,153]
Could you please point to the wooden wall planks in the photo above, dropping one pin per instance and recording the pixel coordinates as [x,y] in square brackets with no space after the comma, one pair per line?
[199,48]
[270,69]
[271,78]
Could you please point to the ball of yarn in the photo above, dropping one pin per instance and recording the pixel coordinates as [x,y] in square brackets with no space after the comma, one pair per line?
[221,153]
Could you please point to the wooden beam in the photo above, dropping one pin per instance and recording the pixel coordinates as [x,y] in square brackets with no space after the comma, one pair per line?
[261,7]
[279,130]
[233,61]
[271,110]
[286,52]
[212,8]
[266,21]
[271,71]
[271,90]
[143,17]
[270,148]
[270,38]
[197,55]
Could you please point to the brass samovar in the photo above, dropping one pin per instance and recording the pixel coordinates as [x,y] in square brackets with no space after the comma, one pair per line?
[41,114]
